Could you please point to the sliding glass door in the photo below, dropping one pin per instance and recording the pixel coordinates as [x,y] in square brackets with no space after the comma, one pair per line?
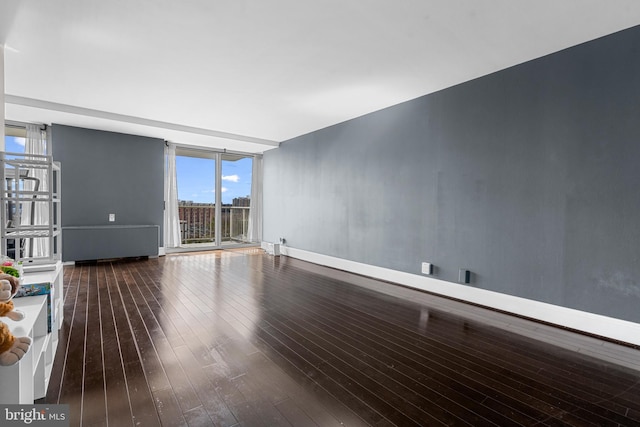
[236,198]
[196,178]
[214,198]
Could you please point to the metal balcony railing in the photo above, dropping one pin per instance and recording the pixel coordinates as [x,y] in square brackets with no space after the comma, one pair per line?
[197,224]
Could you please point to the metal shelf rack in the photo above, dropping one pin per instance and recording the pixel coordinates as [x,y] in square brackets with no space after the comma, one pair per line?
[30,228]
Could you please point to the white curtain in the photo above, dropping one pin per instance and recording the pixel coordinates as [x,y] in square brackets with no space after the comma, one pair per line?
[35,213]
[255,211]
[171,216]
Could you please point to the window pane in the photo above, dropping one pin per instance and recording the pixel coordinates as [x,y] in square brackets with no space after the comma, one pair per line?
[196,198]
[236,197]
[13,144]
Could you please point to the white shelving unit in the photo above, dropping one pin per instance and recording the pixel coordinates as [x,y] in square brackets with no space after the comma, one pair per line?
[30,214]
[28,380]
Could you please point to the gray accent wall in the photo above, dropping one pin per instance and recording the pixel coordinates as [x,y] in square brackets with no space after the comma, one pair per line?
[528,177]
[103,173]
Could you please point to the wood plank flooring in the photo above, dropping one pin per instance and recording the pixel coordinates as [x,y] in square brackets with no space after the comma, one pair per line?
[239,338]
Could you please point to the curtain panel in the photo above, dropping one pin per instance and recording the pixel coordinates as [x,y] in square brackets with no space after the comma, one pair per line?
[35,213]
[171,216]
[255,215]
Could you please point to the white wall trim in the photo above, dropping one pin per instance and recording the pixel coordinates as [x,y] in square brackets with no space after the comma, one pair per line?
[608,327]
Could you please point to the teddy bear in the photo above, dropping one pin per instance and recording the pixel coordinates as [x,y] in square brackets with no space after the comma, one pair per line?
[12,349]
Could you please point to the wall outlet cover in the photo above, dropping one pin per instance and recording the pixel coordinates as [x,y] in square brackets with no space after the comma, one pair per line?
[464,276]
[427,268]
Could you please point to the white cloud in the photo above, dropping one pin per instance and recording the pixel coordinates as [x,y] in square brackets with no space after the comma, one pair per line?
[232,178]
[213,191]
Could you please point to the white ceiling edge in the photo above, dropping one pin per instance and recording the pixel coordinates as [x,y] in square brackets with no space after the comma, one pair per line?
[30,114]
[225,69]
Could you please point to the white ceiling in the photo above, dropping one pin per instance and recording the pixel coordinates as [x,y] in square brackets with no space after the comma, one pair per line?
[245,75]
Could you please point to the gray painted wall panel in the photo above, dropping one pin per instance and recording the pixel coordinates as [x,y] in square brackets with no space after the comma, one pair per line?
[107,172]
[107,242]
[528,177]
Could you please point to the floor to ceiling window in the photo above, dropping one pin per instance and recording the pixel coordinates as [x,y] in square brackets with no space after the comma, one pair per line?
[14,142]
[196,176]
[214,197]
[236,198]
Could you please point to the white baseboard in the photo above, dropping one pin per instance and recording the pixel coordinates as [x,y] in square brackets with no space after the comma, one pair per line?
[608,327]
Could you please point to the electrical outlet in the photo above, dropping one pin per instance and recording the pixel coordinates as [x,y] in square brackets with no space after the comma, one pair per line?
[112,217]
[427,268]
[464,276]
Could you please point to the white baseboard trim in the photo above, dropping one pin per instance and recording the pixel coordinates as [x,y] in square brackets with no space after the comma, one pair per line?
[608,327]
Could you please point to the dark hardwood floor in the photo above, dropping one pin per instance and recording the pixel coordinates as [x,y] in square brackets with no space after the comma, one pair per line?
[238,338]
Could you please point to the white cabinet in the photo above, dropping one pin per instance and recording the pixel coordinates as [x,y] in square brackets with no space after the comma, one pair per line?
[28,380]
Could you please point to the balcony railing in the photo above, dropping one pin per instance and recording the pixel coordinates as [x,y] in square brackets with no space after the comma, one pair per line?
[197,224]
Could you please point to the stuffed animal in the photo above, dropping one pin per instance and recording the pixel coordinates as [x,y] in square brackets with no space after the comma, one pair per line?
[12,349]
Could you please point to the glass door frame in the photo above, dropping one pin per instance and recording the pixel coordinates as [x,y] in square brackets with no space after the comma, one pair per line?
[218,211]
[217,156]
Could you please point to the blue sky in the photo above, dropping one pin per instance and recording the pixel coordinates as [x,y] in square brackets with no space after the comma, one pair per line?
[13,144]
[196,179]
[195,176]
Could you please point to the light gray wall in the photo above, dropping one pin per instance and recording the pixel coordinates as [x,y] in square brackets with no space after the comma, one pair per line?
[528,177]
[103,173]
